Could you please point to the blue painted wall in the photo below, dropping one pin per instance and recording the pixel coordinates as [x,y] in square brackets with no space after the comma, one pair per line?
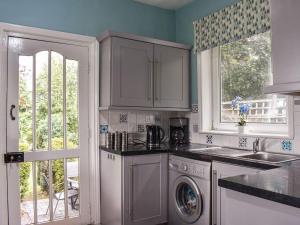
[90,17]
[184,28]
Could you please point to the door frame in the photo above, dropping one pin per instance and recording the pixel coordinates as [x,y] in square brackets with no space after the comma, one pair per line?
[7,30]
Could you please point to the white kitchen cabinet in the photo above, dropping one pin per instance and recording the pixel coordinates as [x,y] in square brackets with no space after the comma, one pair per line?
[133,189]
[223,170]
[143,73]
[285,29]
[243,209]
[132,73]
[145,189]
[171,80]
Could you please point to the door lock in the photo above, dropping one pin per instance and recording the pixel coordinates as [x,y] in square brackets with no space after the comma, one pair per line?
[14,157]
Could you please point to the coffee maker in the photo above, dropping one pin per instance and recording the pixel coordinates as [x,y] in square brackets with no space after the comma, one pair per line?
[179,131]
[155,135]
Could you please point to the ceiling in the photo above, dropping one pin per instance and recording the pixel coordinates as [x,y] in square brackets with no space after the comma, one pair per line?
[166,4]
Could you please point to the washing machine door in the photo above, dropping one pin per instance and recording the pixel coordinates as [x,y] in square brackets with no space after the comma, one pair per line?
[188,199]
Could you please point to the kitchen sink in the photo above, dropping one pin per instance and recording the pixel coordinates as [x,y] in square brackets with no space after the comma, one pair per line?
[221,151]
[269,157]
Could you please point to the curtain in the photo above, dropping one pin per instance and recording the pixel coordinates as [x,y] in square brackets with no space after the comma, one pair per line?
[238,21]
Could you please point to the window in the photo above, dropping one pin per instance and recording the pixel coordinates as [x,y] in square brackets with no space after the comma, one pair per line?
[242,68]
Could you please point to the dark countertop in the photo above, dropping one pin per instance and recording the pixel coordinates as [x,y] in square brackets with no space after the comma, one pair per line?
[280,185]
[190,151]
[143,150]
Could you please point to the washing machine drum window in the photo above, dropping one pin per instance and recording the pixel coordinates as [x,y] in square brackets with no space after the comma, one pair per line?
[188,199]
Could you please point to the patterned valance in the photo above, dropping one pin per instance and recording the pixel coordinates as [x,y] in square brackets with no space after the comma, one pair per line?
[241,20]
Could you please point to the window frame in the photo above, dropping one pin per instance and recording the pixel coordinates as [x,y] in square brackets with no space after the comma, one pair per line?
[209,83]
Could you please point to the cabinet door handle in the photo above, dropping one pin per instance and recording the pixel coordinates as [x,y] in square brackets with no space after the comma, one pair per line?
[150,80]
[214,197]
[131,192]
[155,80]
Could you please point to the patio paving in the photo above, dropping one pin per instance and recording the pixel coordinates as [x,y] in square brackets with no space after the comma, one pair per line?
[27,212]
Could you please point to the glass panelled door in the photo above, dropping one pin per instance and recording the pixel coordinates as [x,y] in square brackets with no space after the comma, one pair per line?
[47,120]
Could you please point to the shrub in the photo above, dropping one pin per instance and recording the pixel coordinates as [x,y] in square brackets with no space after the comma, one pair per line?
[25,169]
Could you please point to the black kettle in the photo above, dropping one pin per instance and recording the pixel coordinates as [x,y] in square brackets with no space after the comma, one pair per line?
[155,135]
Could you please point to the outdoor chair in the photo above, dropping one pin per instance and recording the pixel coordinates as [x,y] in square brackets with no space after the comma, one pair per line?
[73,194]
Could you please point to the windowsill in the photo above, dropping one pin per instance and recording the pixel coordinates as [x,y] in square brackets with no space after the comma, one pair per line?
[249,134]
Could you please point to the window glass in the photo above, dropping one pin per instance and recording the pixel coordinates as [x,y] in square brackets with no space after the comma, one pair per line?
[245,68]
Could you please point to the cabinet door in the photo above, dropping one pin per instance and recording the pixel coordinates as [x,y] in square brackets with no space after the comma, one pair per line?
[132,70]
[111,189]
[243,209]
[171,77]
[145,190]
[223,170]
[285,41]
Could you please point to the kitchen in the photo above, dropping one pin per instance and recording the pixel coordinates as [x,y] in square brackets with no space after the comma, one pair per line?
[150,112]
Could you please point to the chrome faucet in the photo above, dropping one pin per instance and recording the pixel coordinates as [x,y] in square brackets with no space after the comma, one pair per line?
[256,146]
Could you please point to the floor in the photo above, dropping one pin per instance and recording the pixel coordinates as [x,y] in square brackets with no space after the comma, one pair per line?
[27,212]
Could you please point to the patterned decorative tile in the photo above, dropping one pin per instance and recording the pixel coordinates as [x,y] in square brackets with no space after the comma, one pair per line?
[123,118]
[286,145]
[195,128]
[195,108]
[141,128]
[243,141]
[209,139]
[103,129]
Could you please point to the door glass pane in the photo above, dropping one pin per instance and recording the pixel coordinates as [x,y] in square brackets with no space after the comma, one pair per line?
[57,101]
[58,174]
[42,100]
[42,188]
[187,199]
[25,103]
[72,103]
[26,193]
[73,186]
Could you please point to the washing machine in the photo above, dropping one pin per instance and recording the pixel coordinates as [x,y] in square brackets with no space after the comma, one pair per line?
[189,191]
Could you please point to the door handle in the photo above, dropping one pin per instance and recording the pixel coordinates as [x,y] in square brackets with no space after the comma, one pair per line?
[12,117]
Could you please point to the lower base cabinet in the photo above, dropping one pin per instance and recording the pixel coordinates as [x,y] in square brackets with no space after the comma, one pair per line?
[133,189]
[242,209]
[223,170]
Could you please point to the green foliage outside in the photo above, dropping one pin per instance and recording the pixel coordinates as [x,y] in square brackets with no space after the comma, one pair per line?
[245,67]
[24,175]
[57,130]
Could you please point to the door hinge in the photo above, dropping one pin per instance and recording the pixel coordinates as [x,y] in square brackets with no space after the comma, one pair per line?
[14,157]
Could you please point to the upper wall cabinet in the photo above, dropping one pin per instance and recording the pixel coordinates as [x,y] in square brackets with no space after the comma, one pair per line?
[131,73]
[171,77]
[285,28]
[143,73]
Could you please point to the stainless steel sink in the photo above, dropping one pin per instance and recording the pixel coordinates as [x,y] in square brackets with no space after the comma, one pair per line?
[221,151]
[269,157]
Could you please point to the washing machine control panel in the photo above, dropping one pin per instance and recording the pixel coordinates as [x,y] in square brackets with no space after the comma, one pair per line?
[188,168]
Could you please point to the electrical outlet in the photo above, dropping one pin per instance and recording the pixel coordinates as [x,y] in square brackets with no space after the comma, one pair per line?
[147,119]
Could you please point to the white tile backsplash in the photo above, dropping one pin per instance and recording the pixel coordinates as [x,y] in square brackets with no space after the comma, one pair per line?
[134,119]
[271,144]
